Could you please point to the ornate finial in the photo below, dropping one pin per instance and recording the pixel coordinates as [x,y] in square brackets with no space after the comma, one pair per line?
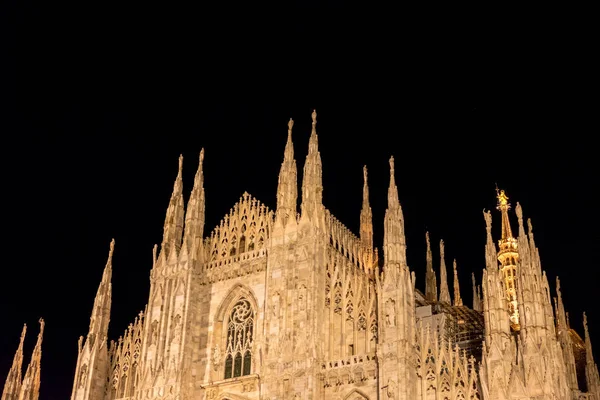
[42,323]
[585,324]
[290,125]
[314,117]
[365,173]
[427,238]
[529,226]
[392,164]
[201,155]
[112,248]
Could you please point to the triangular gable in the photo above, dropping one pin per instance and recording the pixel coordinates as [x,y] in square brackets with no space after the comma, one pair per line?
[245,228]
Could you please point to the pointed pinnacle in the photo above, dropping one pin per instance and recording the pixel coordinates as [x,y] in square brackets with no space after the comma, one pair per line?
[457,298]
[40,335]
[393,190]
[23,333]
[289,146]
[18,358]
[112,249]
[106,275]
[313,146]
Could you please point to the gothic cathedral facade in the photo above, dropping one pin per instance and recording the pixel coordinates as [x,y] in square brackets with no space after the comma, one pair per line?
[281,304]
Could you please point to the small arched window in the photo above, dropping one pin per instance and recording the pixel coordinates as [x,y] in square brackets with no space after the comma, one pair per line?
[242,244]
[240,327]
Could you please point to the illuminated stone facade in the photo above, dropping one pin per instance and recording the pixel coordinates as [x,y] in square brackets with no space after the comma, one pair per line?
[276,304]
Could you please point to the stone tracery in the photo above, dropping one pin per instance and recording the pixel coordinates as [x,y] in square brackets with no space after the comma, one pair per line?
[240,327]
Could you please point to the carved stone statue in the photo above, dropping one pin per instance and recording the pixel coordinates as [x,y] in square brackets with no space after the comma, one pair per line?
[83,375]
[390,313]
[154,332]
[275,305]
[302,298]
[391,388]
[488,221]
[216,356]
[177,328]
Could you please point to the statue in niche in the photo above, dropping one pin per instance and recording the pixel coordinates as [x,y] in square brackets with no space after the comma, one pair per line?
[83,375]
[275,305]
[154,332]
[390,313]
[177,328]
[391,389]
[300,338]
[302,298]
[216,357]
[287,342]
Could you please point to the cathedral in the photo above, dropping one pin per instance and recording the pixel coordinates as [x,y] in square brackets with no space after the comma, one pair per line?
[289,304]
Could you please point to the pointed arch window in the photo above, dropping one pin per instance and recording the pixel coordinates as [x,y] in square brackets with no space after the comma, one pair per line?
[240,330]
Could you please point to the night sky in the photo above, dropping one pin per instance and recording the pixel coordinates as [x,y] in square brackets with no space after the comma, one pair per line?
[99,101]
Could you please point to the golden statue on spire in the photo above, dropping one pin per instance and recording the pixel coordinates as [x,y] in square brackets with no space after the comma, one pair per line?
[502,198]
[508,256]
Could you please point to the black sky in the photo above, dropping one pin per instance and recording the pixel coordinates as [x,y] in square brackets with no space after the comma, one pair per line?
[99,101]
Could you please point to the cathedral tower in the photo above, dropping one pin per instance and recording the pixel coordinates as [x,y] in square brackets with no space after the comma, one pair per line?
[167,317]
[396,302]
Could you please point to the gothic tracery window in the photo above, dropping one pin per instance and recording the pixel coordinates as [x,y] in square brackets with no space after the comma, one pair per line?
[238,359]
